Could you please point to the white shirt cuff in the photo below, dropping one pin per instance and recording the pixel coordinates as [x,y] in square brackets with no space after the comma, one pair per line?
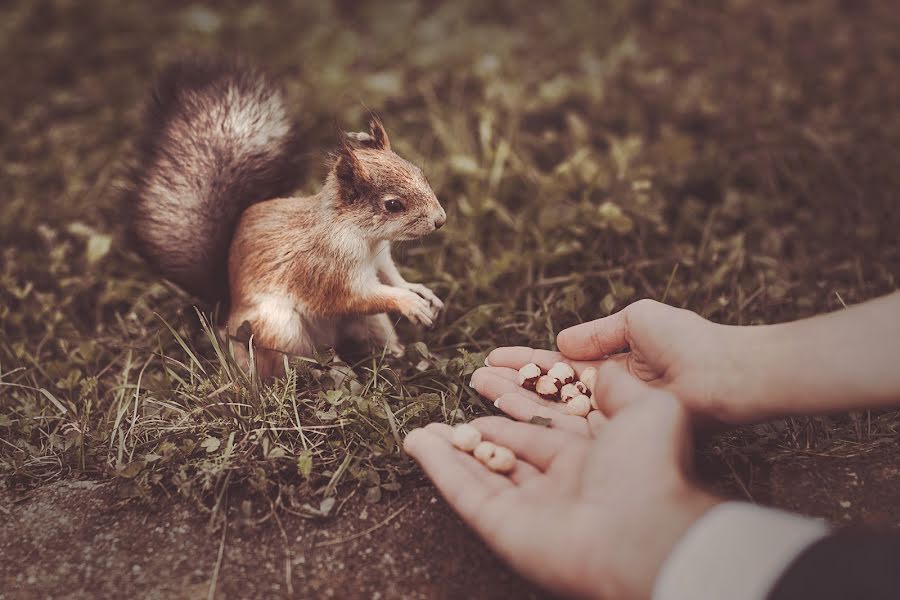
[737,551]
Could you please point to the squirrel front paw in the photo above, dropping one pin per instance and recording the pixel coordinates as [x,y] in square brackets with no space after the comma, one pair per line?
[426,293]
[395,348]
[415,308]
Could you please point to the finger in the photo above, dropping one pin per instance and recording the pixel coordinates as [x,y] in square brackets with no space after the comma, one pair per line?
[596,420]
[536,445]
[521,473]
[524,409]
[493,382]
[613,385]
[594,339]
[495,513]
[663,425]
[471,496]
[447,466]
[515,357]
[468,462]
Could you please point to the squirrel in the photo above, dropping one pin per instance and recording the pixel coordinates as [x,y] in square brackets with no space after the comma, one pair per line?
[211,210]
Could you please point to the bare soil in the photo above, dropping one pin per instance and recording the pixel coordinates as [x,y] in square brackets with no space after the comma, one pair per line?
[77,539]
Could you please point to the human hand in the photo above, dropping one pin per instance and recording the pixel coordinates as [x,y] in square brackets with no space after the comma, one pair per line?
[668,348]
[590,518]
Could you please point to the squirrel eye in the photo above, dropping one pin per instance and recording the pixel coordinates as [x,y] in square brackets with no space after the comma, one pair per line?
[393,205]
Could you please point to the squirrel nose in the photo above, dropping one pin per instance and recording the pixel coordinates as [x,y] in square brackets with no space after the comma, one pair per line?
[439,222]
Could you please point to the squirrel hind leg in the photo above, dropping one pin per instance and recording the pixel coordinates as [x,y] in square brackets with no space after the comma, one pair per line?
[370,334]
[276,331]
[268,362]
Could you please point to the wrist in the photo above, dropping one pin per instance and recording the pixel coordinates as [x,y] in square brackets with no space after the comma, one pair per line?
[741,391]
[665,520]
[684,510]
[737,550]
[836,362]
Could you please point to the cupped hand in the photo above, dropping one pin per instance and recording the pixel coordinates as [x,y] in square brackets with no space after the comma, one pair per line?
[664,347]
[584,517]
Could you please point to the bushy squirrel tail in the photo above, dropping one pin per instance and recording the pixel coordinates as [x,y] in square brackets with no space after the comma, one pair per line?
[218,137]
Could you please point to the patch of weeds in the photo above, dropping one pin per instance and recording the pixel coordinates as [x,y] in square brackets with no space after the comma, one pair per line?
[588,156]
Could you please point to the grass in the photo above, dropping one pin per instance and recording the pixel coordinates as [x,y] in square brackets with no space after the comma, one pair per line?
[738,161]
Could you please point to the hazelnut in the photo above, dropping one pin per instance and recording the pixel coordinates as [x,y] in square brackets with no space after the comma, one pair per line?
[546,388]
[466,437]
[569,391]
[562,372]
[579,406]
[589,379]
[503,460]
[528,376]
[582,388]
[484,451]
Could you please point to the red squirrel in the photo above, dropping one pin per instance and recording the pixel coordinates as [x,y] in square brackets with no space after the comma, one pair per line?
[211,211]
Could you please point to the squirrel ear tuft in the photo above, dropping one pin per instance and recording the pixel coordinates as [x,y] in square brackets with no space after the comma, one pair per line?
[377,139]
[380,138]
[350,173]
[360,137]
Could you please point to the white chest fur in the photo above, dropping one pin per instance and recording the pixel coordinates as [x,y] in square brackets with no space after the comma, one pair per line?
[294,325]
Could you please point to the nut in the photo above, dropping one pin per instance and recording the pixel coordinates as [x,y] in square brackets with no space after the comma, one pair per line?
[547,388]
[589,378]
[503,460]
[569,391]
[466,437]
[562,372]
[582,388]
[579,406]
[528,376]
[485,451]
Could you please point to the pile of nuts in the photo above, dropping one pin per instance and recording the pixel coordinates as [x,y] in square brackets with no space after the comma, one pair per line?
[560,385]
[496,458]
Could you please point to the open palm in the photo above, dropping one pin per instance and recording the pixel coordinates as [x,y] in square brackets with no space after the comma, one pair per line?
[580,516]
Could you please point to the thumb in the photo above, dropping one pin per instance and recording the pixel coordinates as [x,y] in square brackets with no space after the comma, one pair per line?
[594,339]
[612,384]
[663,423]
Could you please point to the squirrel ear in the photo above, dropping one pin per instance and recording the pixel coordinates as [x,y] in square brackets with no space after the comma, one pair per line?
[350,173]
[379,135]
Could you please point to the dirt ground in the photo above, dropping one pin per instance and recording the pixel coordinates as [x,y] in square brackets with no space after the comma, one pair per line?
[76,539]
[770,127]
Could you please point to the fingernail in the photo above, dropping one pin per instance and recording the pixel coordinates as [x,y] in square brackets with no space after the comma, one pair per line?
[497,404]
[487,362]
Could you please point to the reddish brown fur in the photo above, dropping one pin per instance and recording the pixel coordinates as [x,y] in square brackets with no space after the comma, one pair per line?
[302,271]
[318,254]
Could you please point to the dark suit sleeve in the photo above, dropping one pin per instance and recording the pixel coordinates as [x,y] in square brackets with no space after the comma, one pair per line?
[848,564]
